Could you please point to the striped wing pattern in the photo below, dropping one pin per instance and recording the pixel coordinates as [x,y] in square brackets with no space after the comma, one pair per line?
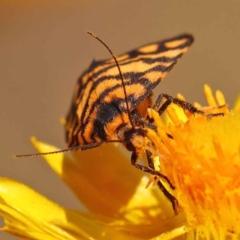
[98,106]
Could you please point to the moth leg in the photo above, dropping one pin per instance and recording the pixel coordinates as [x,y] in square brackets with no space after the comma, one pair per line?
[161,109]
[149,170]
[183,104]
[150,159]
[167,194]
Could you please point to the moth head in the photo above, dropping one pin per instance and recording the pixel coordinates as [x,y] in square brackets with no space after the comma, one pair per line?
[134,139]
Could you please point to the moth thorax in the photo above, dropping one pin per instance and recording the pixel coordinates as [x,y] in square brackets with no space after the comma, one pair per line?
[134,139]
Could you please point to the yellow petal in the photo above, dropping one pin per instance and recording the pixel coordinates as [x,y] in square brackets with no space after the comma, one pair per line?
[177,232]
[98,177]
[106,183]
[29,215]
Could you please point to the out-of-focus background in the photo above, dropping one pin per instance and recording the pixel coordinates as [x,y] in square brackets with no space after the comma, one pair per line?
[44,48]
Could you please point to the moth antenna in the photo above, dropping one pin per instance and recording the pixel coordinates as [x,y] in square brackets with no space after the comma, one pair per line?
[42,153]
[82,148]
[120,73]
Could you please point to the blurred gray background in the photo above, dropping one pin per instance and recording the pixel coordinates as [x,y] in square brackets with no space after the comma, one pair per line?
[44,48]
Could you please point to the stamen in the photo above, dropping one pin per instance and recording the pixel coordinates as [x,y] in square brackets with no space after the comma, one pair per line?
[209,95]
[220,98]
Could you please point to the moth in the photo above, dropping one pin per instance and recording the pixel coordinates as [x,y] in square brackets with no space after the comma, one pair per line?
[111,99]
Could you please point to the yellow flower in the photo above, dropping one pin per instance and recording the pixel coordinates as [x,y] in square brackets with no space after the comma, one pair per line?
[201,160]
